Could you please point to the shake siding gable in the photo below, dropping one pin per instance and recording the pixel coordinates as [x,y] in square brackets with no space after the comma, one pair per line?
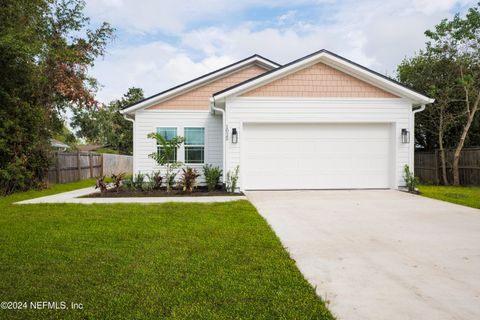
[199,98]
[319,80]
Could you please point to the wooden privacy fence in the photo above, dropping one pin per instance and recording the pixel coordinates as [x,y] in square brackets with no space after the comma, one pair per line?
[74,166]
[428,166]
[116,163]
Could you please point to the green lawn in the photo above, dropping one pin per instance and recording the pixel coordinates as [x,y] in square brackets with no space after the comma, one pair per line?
[467,196]
[126,261]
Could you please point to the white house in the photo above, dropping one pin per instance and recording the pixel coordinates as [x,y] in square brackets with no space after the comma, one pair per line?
[319,122]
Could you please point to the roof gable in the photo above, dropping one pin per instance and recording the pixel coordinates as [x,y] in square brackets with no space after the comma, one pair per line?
[202,80]
[198,98]
[334,61]
[318,80]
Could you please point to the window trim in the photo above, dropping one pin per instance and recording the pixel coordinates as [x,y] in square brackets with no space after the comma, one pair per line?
[185,146]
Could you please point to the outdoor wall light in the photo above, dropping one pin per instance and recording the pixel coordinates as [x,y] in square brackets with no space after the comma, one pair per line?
[234,135]
[405,136]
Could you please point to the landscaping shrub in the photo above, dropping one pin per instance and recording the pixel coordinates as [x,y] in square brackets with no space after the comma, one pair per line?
[189,179]
[156,179]
[148,185]
[170,180]
[232,179]
[138,181]
[128,182]
[25,166]
[410,179]
[101,184]
[212,176]
[117,180]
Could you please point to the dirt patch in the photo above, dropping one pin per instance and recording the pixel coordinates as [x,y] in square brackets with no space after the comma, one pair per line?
[125,193]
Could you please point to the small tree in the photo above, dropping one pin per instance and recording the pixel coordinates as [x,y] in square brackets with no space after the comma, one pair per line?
[166,157]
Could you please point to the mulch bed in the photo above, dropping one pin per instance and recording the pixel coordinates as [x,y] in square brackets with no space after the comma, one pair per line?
[125,193]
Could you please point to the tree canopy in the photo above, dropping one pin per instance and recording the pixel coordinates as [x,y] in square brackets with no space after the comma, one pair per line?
[105,125]
[46,48]
[448,69]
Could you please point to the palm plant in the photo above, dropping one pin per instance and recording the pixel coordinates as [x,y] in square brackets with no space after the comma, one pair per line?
[165,158]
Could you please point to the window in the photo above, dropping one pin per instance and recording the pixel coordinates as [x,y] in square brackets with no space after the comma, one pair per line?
[168,134]
[194,145]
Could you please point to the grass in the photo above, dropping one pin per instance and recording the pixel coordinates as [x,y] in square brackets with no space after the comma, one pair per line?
[467,196]
[133,261]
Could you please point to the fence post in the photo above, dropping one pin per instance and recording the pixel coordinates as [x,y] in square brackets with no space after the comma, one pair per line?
[58,166]
[435,164]
[90,164]
[79,166]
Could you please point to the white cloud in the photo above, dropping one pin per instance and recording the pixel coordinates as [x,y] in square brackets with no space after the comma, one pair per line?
[375,33]
[172,16]
[432,6]
[287,17]
[153,67]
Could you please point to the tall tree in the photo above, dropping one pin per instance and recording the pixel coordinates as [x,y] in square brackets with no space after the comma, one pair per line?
[449,70]
[458,40]
[22,133]
[434,127]
[46,48]
[105,125]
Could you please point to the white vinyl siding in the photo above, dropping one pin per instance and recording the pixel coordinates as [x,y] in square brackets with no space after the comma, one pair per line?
[147,121]
[397,112]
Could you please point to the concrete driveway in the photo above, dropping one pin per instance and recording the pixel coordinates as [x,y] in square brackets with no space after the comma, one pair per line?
[381,254]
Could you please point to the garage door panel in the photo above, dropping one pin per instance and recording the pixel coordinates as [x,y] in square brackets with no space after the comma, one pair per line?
[316,156]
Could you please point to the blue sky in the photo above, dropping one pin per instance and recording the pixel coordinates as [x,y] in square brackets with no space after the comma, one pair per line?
[159,44]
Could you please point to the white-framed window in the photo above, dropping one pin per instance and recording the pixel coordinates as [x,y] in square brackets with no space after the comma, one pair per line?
[167,133]
[194,145]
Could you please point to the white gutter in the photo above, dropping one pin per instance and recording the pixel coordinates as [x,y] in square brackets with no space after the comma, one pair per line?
[224,153]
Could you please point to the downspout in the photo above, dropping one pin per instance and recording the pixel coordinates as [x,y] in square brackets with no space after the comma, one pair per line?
[224,151]
[133,140]
[422,107]
[129,119]
[412,137]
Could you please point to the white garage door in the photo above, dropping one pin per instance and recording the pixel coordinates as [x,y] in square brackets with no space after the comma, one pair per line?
[316,156]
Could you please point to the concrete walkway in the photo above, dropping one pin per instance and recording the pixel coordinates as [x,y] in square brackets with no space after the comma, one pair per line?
[74,197]
[381,254]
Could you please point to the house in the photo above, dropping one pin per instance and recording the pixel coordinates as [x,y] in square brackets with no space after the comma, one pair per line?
[58,145]
[90,147]
[319,122]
